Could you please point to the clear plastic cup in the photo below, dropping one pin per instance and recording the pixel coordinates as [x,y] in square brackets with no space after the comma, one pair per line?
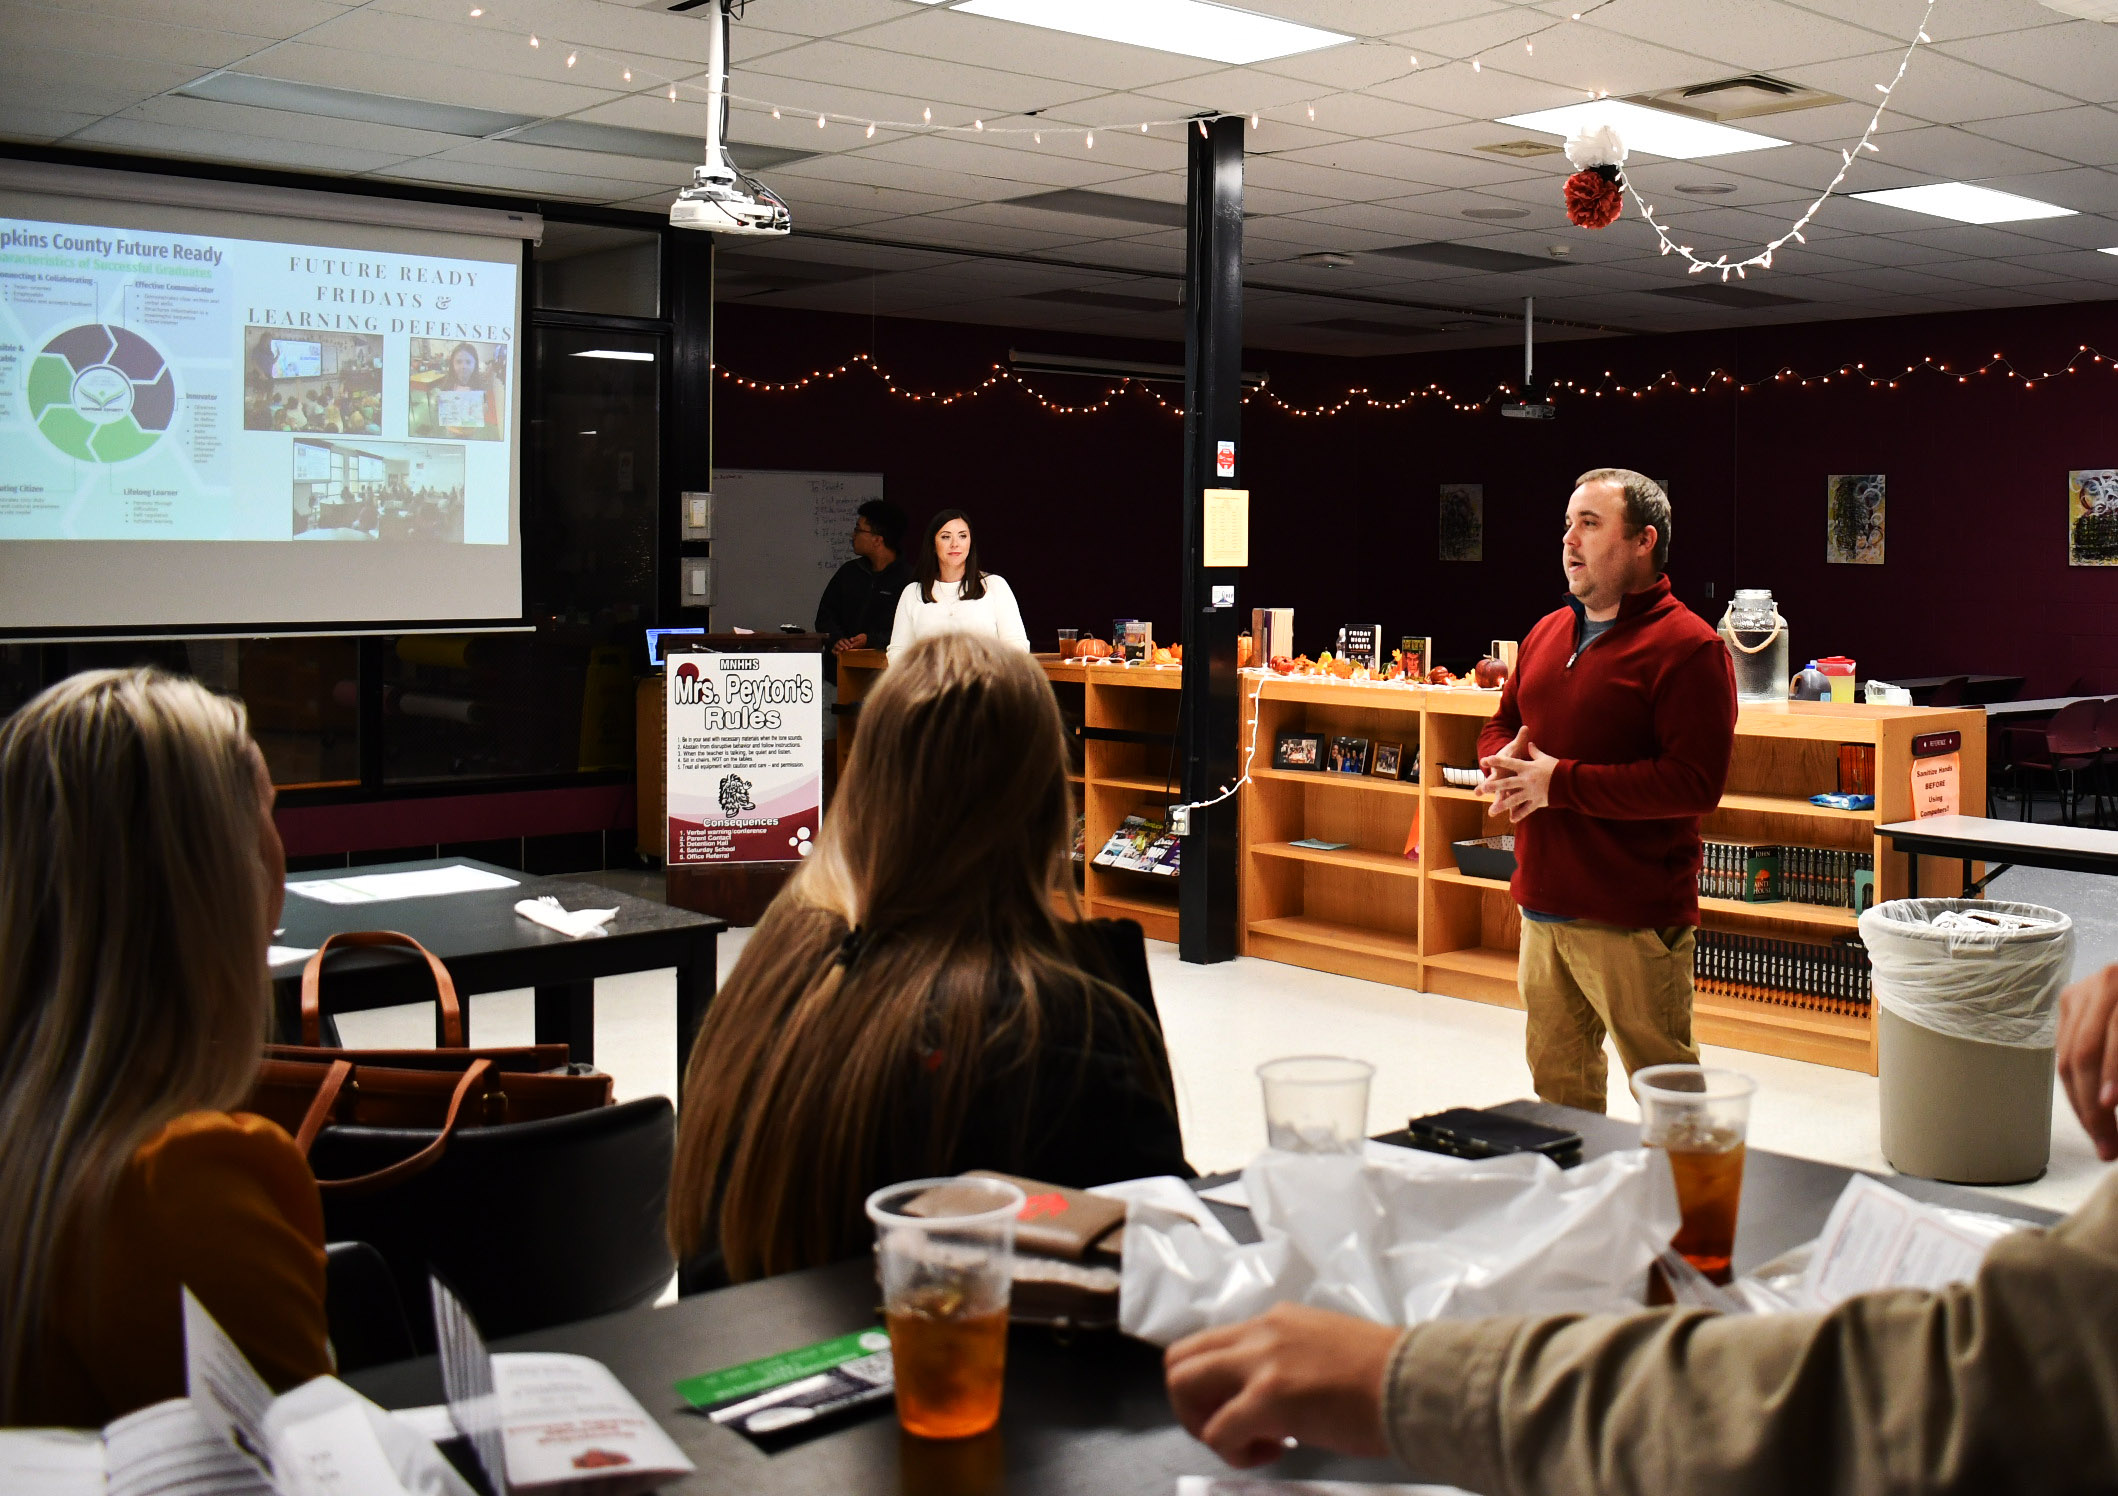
[1316,1103]
[1700,1117]
[1069,639]
[945,1252]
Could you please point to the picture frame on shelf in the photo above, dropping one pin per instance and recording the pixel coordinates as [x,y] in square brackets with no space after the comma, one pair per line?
[1301,752]
[1349,755]
[1389,761]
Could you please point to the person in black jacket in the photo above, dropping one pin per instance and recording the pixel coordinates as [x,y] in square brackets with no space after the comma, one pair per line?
[859,605]
[913,1003]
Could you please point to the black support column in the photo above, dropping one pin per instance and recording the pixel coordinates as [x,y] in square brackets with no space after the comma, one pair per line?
[1213,390]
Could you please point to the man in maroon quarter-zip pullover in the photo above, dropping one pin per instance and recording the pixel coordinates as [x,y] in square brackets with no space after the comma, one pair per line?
[1612,739]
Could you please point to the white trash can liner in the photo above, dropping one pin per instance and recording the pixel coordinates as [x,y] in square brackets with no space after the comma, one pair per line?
[1979,969]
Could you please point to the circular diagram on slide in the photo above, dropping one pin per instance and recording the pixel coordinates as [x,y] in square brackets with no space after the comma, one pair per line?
[100,393]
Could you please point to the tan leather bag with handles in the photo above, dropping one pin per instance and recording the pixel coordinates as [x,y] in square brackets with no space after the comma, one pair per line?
[306,1087]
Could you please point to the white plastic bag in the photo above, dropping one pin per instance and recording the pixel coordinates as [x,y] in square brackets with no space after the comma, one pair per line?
[1400,1236]
[1972,968]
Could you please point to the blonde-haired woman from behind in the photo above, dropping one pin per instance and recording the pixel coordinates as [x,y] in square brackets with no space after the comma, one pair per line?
[140,879]
[912,1004]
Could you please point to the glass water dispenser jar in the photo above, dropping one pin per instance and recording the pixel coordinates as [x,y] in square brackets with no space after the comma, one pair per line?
[1756,636]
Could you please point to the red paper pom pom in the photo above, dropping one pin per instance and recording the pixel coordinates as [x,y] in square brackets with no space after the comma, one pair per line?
[1593,199]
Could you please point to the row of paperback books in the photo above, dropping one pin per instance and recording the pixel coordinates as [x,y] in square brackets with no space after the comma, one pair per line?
[1141,844]
[1805,875]
[1828,978]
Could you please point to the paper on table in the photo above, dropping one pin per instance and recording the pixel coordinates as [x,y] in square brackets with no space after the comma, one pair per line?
[1169,1193]
[571,1425]
[168,1448]
[420,883]
[51,1462]
[1254,1485]
[1233,1193]
[553,915]
[280,955]
[430,1422]
[1878,1238]
[224,1388]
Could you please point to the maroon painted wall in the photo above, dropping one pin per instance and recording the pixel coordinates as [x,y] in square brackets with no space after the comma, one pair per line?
[1079,512]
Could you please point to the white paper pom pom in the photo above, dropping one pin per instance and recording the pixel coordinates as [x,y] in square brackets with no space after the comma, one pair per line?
[1599,146]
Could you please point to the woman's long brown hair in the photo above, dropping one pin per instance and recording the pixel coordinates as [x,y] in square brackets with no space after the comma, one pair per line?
[826,1067]
[133,922]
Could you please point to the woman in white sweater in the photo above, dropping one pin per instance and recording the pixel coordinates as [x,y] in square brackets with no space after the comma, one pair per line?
[952,596]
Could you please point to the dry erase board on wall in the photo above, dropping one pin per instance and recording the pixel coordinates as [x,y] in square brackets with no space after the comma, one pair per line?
[777,539]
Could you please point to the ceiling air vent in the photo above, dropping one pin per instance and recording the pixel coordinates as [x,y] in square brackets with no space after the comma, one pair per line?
[1744,97]
[1522,150]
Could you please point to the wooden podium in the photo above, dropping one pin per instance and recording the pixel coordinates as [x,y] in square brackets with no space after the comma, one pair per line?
[737,891]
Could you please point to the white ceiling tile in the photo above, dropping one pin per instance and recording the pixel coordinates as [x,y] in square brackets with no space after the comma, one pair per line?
[914,82]
[1032,50]
[2087,135]
[1232,91]
[259,18]
[2085,189]
[1960,18]
[97,79]
[1952,153]
[1295,173]
[948,231]
[1754,36]
[1587,60]
[29,122]
[156,140]
[625,176]
[1937,88]
[854,196]
[1452,88]
[610,35]
[175,112]
[97,36]
[1052,165]
[2079,58]
[434,78]
[505,179]
[1346,68]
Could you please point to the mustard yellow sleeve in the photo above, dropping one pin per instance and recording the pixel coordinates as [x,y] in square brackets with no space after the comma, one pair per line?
[227,1206]
[2008,1382]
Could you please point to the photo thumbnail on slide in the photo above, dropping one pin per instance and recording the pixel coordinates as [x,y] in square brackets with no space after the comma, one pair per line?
[312,381]
[354,489]
[458,389]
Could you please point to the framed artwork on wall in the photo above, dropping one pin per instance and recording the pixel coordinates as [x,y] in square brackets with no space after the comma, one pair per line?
[2092,517]
[1853,521]
[1463,521]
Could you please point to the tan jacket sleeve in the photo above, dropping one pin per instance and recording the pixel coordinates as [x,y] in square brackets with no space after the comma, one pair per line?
[2009,1383]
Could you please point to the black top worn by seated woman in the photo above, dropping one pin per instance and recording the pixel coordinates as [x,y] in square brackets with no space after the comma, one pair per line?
[1086,1112]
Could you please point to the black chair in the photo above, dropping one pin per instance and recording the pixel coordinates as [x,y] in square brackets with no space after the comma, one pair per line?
[362,1308]
[532,1223]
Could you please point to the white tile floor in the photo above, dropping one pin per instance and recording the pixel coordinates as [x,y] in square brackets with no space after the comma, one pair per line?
[1222,1021]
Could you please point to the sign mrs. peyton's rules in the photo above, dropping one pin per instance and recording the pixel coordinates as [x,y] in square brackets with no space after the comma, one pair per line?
[745,756]
[1937,774]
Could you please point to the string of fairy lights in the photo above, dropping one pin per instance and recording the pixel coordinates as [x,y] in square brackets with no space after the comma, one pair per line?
[1855,375]
[1763,258]
[586,60]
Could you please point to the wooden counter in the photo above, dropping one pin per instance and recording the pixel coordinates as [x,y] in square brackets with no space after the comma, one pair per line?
[1114,778]
[1370,911]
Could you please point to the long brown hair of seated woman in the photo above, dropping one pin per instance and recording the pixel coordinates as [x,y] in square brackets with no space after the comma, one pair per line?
[140,879]
[913,1003]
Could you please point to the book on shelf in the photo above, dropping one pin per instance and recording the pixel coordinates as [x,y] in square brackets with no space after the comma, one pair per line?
[1142,844]
[1824,876]
[1818,976]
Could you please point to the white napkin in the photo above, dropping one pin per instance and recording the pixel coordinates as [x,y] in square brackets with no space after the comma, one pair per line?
[553,915]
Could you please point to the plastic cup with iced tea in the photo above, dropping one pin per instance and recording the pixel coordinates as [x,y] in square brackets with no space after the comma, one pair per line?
[1700,1118]
[1069,642]
[945,1253]
[1316,1103]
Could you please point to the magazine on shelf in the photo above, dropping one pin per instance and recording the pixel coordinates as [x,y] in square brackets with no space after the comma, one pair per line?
[1141,844]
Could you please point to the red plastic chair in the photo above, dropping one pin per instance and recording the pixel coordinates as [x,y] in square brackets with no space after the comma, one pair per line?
[2062,747]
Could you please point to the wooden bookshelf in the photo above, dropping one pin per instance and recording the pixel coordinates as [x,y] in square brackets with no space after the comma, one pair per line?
[1419,922]
[1113,778]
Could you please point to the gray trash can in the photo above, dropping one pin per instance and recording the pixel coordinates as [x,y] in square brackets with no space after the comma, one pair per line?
[1967,1012]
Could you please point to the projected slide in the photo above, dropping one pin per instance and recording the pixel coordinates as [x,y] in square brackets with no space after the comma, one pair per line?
[172,386]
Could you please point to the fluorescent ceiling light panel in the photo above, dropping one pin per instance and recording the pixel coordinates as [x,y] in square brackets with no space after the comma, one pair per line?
[622,355]
[1965,203]
[1650,132]
[2113,250]
[1191,28]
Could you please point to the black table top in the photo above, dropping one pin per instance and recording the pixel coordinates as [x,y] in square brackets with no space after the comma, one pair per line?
[486,945]
[1086,1418]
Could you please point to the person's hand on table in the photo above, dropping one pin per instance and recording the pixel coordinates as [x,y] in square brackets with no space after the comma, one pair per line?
[851,641]
[1521,778]
[2088,1056]
[1292,1373]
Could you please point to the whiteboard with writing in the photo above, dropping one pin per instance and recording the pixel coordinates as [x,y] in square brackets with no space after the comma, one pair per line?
[777,539]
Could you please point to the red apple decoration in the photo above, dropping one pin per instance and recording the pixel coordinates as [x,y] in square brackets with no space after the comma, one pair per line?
[1490,674]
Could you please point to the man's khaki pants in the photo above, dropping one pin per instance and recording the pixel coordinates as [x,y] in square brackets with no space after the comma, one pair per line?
[1582,979]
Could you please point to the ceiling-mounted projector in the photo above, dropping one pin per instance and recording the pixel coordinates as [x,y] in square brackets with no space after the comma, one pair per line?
[720,199]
